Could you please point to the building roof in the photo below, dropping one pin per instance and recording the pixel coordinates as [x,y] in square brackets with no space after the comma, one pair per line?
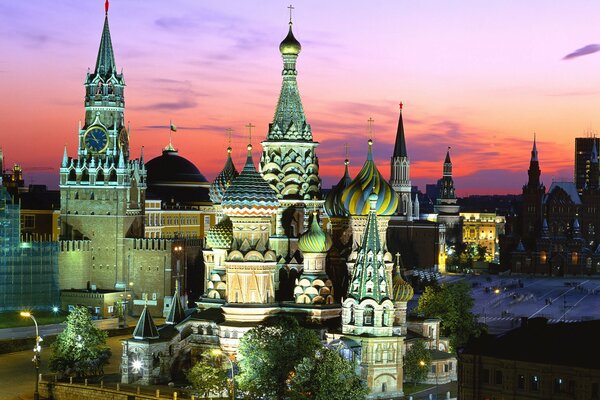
[356,195]
[174,179]
[400,146]
[223,180]
[314,240]
[536,341]
[220,236]
[250,195]
[176,311]
[145,328]
[568,187]
[38,198]
[334,207]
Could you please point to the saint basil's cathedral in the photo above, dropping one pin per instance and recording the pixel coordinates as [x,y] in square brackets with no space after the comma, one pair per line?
[278,245]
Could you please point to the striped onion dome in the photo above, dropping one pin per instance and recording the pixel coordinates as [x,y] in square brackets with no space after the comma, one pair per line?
[249,195]
[223,180]
[334,207]
[314,240]
[220,236]
[402,289]
[356,196]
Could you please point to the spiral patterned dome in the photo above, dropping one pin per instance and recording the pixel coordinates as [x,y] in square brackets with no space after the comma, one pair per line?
[334,207]
[223,180]
[402,291]
[220,236]
[356,196]
[314,240]
[250,195]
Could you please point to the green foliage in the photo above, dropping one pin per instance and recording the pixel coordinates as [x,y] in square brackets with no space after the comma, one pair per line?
[268,355]
[417,361]
[466,253]
[452,303]
[208,376]
[326,376]
[80,350]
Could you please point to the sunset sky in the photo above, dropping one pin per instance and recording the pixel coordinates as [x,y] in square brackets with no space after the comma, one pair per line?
[479,76]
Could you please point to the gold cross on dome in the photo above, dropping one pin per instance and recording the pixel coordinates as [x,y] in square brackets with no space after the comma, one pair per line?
[291,7]
[229,131]
[250,126]
[370,122]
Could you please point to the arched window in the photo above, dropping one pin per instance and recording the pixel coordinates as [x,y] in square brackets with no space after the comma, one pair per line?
[368,316]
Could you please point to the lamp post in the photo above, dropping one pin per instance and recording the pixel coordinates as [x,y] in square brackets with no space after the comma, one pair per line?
[219,352]
[36,353]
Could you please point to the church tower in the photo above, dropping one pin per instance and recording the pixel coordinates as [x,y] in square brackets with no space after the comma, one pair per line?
[446,207]
[102,190]
[288,161]
[368,314]
[400,173]
[533,195]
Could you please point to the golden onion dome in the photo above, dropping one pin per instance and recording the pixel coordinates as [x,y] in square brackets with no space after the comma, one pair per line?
[290,45]
[314,240]
[356,196]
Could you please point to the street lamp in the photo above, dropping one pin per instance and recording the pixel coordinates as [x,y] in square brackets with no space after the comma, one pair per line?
[218,353]
[36,353]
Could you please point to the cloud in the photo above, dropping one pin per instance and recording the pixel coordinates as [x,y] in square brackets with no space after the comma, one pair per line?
[170,105]
[584,51]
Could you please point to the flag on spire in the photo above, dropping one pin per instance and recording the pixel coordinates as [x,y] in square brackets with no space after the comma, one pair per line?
[173,127]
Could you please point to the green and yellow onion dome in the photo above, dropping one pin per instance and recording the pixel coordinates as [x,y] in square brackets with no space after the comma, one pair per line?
[290,45]
[249,195]
[356,196]
[402,289]
[223,180]
[220,236]
[314,240]
[334,207]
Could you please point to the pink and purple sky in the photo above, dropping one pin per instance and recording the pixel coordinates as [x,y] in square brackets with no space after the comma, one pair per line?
[480,77]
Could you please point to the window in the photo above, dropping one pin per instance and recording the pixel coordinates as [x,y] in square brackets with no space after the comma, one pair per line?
[207,221]
[28,221]
[433,369]
[111,309]
[535,383]
[368,316]
[485,375]
[558,385]
[521,382]
[498,377]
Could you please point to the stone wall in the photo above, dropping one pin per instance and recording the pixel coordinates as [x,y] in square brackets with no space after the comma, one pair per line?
[81,391]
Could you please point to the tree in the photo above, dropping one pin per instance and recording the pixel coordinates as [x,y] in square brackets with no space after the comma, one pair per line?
[207,376]
[453,304]
[327,376]
[416,362]
[269,353]
[80,350]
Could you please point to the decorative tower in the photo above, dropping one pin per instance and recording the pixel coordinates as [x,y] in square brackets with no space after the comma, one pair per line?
[102,190]
[222,181]
[289,162]
[446,207]
[400,173]
[313,286]
[368,314]
[533,195]
[250,265]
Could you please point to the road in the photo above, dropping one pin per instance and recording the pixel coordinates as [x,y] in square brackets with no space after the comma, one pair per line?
[17,376]
[52,329]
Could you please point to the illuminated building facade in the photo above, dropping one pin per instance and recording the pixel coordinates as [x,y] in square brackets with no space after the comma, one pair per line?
[483,229]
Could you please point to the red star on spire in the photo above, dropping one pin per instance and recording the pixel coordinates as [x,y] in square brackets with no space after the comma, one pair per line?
[401,104]
[106,7]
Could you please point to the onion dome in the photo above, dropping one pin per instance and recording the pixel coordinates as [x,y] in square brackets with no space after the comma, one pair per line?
[223,180]
[356,196]
[314,240]
[250,195]
[402,291]
[220,236]
[334,207]
[290,45]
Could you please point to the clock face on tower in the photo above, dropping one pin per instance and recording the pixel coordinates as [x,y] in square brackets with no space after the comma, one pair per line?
[96,139]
